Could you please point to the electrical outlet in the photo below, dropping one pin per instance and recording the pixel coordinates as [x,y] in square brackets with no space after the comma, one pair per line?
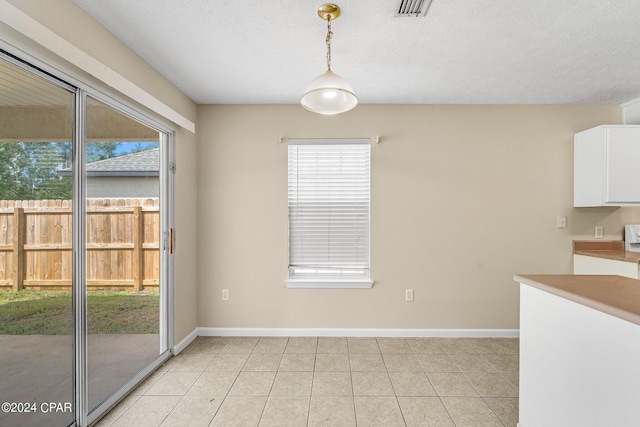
[561,222]
[225,295]
[599,234]
[408,295]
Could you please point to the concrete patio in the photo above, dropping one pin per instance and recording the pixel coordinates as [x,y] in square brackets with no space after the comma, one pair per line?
[39,369]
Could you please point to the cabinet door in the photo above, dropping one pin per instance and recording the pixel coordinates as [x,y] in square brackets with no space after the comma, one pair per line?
[623,183]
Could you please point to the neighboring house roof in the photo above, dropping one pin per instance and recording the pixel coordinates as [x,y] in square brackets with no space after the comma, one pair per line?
[144,163]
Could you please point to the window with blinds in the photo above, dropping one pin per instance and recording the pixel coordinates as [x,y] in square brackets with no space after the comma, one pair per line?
[328,195]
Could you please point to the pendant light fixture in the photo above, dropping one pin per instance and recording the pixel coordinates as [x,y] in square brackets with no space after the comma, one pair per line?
[329,93]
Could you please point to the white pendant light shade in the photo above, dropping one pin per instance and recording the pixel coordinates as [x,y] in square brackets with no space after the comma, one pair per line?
[329,94]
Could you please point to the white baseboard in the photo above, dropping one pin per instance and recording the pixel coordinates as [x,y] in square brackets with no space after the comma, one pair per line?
[356,332]
[185,342]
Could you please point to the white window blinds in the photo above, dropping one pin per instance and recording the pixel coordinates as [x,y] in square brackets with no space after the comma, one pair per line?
[329,209]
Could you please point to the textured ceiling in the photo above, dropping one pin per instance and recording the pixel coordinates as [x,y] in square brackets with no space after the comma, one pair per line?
[462,52]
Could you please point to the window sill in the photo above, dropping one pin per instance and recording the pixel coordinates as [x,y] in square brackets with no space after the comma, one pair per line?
[329,283]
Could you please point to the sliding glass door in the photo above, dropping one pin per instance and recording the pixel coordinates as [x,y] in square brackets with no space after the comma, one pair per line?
[123,273]
[36,305]
[84,249]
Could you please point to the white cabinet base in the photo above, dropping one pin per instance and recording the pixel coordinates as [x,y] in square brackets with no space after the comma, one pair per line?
[584,264]
[578,366]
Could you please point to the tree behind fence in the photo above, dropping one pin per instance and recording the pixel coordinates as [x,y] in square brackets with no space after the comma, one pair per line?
[122,244]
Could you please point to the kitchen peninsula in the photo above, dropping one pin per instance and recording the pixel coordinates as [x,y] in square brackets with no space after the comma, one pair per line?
[579,351]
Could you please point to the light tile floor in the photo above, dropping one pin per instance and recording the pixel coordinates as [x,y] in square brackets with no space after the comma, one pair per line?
[331,382]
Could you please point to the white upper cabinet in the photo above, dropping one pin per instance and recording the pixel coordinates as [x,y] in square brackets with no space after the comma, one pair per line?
[607,166]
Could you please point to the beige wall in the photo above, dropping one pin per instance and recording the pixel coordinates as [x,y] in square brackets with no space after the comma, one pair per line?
[70,22]
[186,226]
[463,198]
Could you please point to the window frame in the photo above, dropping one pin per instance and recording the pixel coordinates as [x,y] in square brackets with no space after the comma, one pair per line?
[339,278]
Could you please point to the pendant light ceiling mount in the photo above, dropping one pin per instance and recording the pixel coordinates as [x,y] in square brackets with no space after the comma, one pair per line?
[329,93]
[329,11]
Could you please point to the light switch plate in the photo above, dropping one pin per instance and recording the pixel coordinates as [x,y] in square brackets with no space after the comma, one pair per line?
[408,295]
[599,233]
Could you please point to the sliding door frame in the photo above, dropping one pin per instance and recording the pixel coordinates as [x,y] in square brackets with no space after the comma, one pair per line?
[84,415]
[166,259]
[78,251]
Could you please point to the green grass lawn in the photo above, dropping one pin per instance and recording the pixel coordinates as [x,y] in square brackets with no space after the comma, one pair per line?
[49,312]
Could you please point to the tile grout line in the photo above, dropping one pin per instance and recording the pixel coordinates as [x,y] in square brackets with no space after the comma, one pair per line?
[225,396]
[187,391]
[172,409]
[137,399]
[232,384]
[494,412]
[483,398]
[395,394]
[353,397]
[123,412]
[266,401]
[446,409]
[313,378]
[353,393]
[434,388]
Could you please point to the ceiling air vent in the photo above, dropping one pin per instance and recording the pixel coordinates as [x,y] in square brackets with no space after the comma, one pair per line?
[413,8]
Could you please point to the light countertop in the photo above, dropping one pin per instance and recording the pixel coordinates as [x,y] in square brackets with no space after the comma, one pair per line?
[615,295]
[610,249]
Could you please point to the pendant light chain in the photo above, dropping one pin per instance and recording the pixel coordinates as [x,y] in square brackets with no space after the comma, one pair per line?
[329,35]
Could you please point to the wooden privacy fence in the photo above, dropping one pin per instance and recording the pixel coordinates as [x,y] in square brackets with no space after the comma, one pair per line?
[123,238]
